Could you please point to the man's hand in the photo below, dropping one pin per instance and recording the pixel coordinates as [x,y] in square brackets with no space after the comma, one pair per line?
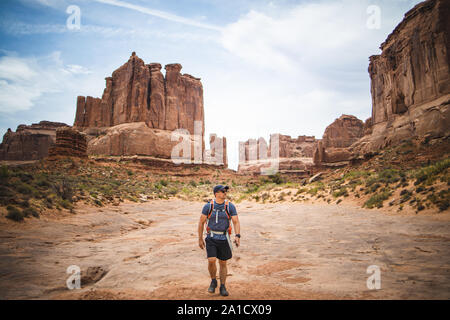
[201,243]
[237,241]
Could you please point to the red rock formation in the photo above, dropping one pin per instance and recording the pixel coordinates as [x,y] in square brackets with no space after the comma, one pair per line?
[217,154]
[293,156]
[137,92]
[338,137]
[69,142]
[29,142]
[410,81]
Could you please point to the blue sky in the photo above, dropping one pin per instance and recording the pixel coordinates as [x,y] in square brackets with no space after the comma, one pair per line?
[288,67]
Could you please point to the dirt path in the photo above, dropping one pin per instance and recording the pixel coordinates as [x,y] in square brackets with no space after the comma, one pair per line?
[289,251]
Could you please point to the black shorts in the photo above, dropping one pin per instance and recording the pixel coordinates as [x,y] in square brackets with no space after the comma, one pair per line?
[217,248]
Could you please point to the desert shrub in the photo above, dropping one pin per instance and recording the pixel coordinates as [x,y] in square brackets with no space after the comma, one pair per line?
[377,200]
[31,212]
[172,191]
[66,204]
[64,189]
[252,188]
[193,183]
[427,174]
[341,192]
[388,176]
[163,182]
[276,178]
[405,195]
[14,213]
[24,188]
[441,199]
[4,174]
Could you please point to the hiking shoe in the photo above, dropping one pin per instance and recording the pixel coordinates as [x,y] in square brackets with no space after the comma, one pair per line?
[223,290]
[212,286]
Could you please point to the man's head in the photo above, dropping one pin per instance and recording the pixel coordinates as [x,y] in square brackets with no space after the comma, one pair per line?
[220,192]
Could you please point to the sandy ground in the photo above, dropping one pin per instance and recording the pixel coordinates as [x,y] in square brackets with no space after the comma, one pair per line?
[288,251]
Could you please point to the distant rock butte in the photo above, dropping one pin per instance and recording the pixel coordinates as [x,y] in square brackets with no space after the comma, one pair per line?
[29,142]
[139,110]
[138,92]
[295,155]
[333,149]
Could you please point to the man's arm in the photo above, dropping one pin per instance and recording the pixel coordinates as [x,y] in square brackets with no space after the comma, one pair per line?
[201,224]
[237,229]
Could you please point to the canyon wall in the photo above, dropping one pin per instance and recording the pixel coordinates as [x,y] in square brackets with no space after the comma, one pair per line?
[410,81]
[29,142]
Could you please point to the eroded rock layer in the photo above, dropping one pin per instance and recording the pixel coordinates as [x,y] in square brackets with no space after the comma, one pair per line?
[69,142]
[29,142]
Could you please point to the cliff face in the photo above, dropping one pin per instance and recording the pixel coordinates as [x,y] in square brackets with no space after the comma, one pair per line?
[139,106]
[410,81]
[137,92]
[334,149]
[294,155]
[29,142]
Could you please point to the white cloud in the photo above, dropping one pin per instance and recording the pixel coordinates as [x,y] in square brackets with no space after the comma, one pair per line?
[290,38]
[76,69]
[159,14]
[24,80]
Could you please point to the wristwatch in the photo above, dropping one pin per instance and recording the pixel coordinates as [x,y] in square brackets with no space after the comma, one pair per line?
[238,235]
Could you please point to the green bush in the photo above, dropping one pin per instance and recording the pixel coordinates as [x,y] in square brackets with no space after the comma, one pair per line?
[428,173]
[193,183]
[24,188]
[66,204]
[31,212]
[341,192]
[4,174]
[377,200]
[276,178]
[14,213]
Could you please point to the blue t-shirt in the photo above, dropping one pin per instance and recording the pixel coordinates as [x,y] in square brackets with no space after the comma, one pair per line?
[219,219]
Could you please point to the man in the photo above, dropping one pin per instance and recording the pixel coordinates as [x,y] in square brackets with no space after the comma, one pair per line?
[217,214]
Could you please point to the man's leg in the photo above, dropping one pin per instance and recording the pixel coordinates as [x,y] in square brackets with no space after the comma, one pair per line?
[212,272]
[223,277]
[212,267]
[223,271]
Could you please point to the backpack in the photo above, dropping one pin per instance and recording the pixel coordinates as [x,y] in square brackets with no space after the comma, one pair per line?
[211,207]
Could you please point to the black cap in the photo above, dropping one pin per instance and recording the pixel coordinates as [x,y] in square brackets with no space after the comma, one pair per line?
[220,188]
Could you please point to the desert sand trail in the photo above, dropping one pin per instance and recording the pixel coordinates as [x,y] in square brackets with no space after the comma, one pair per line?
[288,251]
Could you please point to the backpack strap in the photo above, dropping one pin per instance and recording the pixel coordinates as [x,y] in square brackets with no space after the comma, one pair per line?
[227,210]
[211,207]
[229,216]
